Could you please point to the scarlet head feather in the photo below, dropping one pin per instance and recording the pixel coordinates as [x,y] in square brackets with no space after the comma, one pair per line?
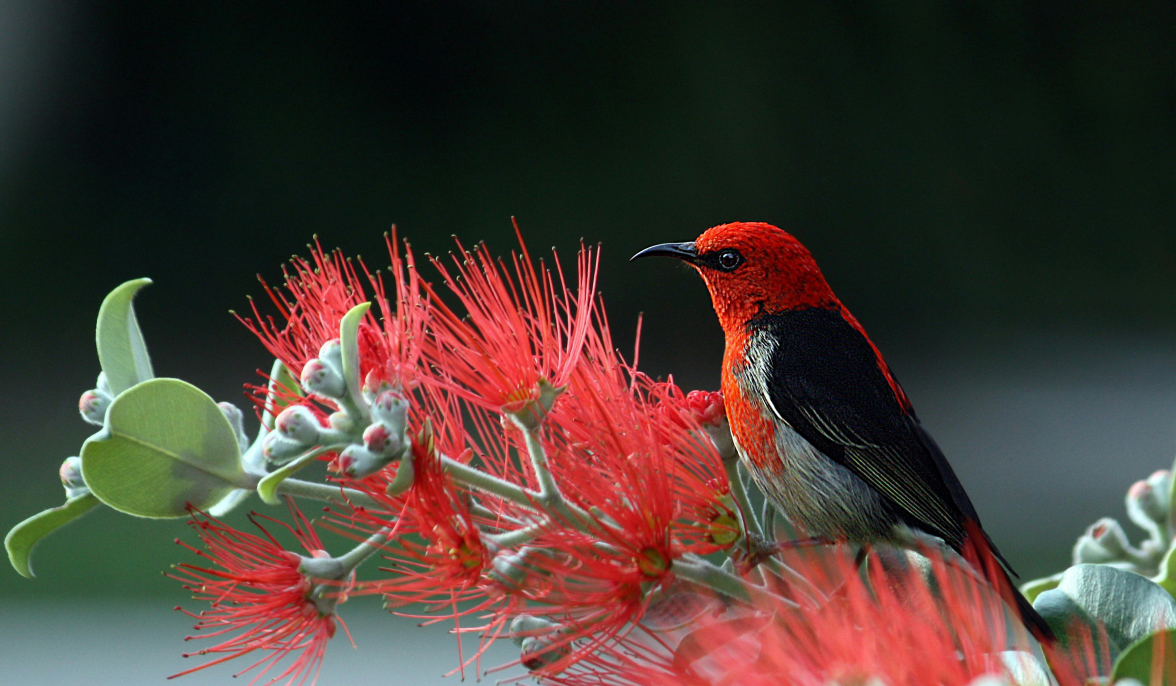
[774,272]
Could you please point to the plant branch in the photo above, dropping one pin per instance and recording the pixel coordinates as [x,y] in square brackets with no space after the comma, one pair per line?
[697,570]
[751,525]
[326,492]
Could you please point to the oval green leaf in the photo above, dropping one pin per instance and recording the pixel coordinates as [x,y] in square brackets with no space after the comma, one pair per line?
[349,340]
[121,349]
[166,444]
[25,536]
[1128,605]
[1150,656]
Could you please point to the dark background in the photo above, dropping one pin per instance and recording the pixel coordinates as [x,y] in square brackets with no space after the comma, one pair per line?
[990,186]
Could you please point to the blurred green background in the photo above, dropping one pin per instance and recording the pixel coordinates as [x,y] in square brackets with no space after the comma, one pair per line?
[989,186]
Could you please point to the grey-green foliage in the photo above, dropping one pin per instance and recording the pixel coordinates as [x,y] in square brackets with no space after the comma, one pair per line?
[1118,593]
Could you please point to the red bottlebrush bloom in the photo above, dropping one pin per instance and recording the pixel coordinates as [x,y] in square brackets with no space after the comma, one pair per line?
[450,559]
[319,291]
[259,598]
[518,330]
[898,630]
[438,556]
[621,445]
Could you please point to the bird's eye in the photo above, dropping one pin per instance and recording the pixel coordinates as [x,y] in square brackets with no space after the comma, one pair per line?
[729,259]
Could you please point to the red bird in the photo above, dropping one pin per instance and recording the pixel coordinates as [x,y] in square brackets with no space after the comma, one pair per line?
[817,416]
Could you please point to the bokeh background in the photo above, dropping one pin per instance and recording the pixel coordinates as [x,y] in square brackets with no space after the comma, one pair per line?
[990,186]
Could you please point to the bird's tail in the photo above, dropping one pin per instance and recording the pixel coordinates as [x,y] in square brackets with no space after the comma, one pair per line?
[979,551]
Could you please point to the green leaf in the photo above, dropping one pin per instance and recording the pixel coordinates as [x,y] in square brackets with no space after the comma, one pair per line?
[230,502]
[1032,589]
[267,488]
[25,536]
[274,404]
[121,349]
[349,340]
[1167,575]
[166,444]
[1128,605]
[1154,652]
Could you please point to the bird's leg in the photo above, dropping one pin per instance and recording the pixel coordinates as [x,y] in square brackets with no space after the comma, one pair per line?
[805,542]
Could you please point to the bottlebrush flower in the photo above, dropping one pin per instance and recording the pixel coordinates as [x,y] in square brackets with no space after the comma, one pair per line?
[438,556]
[320,290]
[897,630]
[519,331]
[621,448]
[260,598]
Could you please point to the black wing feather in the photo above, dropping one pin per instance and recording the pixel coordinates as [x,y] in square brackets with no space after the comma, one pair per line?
[826,383]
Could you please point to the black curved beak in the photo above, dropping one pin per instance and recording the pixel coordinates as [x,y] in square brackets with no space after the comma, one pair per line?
[683,251]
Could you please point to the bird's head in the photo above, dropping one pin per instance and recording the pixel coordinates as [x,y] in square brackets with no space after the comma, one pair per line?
[751,268]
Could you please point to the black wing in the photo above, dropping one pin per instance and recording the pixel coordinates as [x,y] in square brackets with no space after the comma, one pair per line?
[827,384]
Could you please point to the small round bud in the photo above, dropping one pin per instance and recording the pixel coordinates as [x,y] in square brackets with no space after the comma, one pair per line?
[320,378]
[357,462]
[391,408]
[540,651]
[332,354]
[530,626]
[378,438]
[375,383]
[299,424]
[278,449]
[1144,505]
[1104,541]
[341,421]
[71,477]
[92,406]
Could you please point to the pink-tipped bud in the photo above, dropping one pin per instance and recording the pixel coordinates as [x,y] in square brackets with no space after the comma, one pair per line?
[390,407]
[299,424]
[707,407]
[71,477]
[357,462]
[1104,541]
[1142,499]
[375,383]
[92,406]
[377,438]
[323,379]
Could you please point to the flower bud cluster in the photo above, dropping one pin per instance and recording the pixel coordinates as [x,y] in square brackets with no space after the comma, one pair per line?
[384,440]
[1148,506]
[94,403]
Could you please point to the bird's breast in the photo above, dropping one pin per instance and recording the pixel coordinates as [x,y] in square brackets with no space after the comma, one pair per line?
[811,489]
